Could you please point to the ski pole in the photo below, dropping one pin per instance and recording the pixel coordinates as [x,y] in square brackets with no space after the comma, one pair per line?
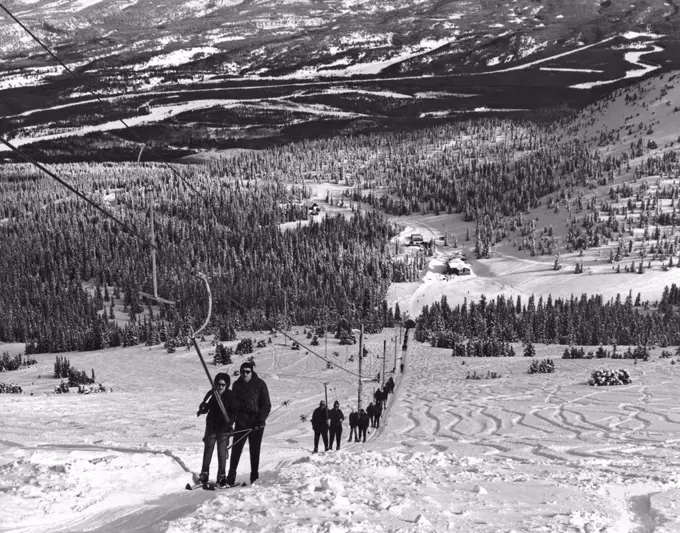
[247,432]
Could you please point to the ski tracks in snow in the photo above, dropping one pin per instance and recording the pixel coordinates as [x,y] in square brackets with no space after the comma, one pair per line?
[611,442]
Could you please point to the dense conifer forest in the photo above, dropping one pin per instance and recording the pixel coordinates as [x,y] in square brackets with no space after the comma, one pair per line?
[63,264]
[587,320]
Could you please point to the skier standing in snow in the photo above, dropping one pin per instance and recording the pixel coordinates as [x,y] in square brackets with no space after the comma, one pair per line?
[335,417]
[377,413]
[250,408]
[364,420]
[216,429]
[377,397]
[370,411]
[389,386]
[320,425]
[353,426]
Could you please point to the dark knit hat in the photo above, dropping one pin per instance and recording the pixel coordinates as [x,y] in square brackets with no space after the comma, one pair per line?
[221,376]
[247,364]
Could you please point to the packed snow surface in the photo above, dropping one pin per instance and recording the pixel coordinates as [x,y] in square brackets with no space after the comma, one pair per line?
[519,453]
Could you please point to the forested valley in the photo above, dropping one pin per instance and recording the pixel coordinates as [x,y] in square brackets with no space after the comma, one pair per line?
[63,264]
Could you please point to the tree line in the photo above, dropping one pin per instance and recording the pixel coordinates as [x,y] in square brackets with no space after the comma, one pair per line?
[588,320]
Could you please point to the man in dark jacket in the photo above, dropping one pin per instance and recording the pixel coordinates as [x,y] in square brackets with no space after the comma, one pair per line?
[217,429]
[370,411]
[377,414]
[320,425]
[377,397]
[250,407]
[353,426]
[363,424]
[335,417]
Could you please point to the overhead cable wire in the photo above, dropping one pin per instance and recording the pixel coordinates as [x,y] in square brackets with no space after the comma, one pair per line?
[100,100]
[75,191]
[102,210]
[292,339]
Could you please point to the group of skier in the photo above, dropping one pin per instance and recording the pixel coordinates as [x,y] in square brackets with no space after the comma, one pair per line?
[247,406]
[325,422]
[328,423]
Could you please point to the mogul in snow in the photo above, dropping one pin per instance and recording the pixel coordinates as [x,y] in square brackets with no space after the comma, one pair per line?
[217,430]
[250,407]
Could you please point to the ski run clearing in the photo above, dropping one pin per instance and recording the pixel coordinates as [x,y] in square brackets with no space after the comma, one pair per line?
[520,453]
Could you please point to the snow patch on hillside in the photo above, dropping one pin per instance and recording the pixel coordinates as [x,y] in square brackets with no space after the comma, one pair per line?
[165,112]
[631,57]
[345,90]
[636,35]
[177,57]
[365,68]
[564,69]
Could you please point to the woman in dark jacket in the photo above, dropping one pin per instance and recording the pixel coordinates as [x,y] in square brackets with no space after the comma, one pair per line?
[377,413]
[216,429]
[370,411]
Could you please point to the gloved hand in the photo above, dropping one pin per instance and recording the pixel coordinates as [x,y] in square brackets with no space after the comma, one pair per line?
[202,409]
[258,425]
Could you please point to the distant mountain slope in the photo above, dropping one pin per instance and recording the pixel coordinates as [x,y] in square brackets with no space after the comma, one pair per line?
[278,36]
[220,74]
[649,110]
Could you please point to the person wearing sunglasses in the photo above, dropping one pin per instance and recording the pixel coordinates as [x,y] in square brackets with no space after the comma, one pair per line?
[250,406]
[217,429]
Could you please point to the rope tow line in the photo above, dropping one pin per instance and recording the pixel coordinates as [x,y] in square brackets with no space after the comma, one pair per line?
[151,244]
[100,100]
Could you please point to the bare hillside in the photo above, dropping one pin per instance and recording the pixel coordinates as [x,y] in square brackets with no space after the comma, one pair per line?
[648,110]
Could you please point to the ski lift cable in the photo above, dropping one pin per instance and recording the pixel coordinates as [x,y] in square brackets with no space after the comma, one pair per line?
[273,328]
[75,191]
[100,100]
[27,158]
